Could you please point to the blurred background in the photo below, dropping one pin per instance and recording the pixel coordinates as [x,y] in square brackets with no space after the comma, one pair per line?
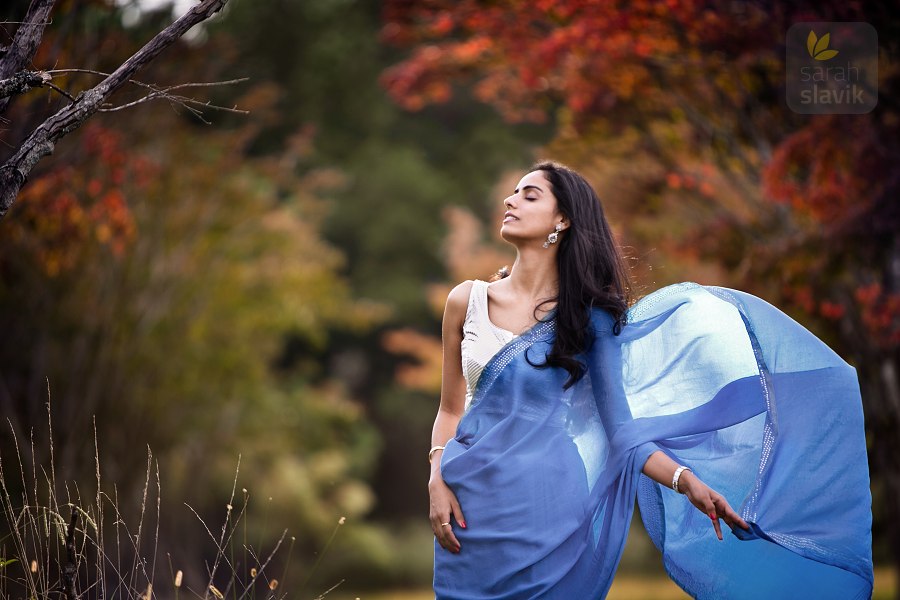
[256,299]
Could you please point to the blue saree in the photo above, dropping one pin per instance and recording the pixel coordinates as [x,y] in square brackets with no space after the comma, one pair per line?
[762,411]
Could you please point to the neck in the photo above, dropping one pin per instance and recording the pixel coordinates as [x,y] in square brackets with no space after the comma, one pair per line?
[535,274]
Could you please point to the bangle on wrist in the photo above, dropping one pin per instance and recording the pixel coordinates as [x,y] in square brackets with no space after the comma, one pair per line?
[681,469]
[432,451]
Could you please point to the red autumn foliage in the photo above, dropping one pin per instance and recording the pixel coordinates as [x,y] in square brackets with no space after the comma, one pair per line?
[524,57]
[717,68]
[80,202]
[825,176]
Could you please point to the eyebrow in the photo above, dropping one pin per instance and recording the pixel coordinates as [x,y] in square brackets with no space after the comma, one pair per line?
[529,187]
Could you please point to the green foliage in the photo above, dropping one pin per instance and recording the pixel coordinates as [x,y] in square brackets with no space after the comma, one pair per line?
[173,342]
[399,169]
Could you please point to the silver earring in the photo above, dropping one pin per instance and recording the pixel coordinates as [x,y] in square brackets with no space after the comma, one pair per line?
[551,239]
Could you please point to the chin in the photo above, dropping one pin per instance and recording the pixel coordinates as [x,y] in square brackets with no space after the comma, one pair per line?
[510,237]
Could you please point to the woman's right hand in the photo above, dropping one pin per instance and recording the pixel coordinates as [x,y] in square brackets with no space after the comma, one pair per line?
[444,511]
[710,502]
[443,505]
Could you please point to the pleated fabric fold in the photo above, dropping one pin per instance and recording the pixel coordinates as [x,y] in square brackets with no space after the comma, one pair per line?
[759,408]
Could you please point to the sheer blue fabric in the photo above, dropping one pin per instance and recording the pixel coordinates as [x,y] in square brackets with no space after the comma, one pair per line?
[762,411]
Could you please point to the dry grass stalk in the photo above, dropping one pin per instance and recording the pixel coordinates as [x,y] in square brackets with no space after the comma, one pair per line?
[51,556]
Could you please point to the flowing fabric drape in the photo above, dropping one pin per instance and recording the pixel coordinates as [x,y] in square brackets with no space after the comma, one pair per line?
[760,409]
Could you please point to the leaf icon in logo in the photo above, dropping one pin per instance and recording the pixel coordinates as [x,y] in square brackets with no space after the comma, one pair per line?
[818,46]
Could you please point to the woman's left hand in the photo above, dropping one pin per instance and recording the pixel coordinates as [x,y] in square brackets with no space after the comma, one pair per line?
[713,504]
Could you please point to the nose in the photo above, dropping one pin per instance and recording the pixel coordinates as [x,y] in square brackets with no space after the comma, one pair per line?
[509,201]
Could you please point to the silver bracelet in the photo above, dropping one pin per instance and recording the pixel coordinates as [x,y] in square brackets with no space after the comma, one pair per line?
[677,475]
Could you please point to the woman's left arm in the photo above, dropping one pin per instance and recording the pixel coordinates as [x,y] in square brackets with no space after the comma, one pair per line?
[660,468]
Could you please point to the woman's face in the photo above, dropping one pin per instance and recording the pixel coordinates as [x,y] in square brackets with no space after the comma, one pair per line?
[531,211]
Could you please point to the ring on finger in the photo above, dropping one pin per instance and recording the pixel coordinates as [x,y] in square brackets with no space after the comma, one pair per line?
[445,524]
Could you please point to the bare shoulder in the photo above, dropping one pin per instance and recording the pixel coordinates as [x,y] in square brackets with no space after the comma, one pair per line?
[458,302]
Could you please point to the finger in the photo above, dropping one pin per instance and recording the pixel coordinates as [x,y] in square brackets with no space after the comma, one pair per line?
[711,513]
[738,520]
[444,532]
[444,542]
[731,517]
[457,513]
[735,519]
[453,544]
[721,509]
[446,538]
[440,532]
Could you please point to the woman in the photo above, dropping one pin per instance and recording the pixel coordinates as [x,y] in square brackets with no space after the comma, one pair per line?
[556,397]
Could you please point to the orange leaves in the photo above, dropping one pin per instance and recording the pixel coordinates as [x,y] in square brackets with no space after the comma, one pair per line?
[470,51]
[874,308]
[680,84]
[442,24]
[831,310]
[425,375]
[868,295]
[673,180]
[585,54]
[424,79]
[115,226]
[80,203]
[702,183]
[817,169]
[880,313]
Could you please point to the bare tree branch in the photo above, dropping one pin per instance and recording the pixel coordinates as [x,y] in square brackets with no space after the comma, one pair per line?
[60,91]
[156,92]
[185,102]
[42,140]
[21,82]
[153,86]
[25,43]
[161,93]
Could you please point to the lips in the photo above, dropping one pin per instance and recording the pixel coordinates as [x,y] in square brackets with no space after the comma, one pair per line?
[509,217]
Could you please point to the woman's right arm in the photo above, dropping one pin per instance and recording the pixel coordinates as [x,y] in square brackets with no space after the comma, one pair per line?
[452,406]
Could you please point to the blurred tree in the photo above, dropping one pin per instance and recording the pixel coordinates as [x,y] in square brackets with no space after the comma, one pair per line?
[399,169]
[215,292]
[675,110]
[150,280]
[166,332]
[398,173]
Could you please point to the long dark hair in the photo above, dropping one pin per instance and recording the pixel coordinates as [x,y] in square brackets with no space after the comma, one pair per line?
[592,271]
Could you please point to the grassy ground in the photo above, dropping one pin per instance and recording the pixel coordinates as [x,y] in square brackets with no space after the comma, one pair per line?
[625,587]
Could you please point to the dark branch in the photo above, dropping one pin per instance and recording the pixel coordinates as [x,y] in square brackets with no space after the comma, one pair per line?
[40,143]
[194,106]
[25,43]
[157,92]
[60,91]
[22,81]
